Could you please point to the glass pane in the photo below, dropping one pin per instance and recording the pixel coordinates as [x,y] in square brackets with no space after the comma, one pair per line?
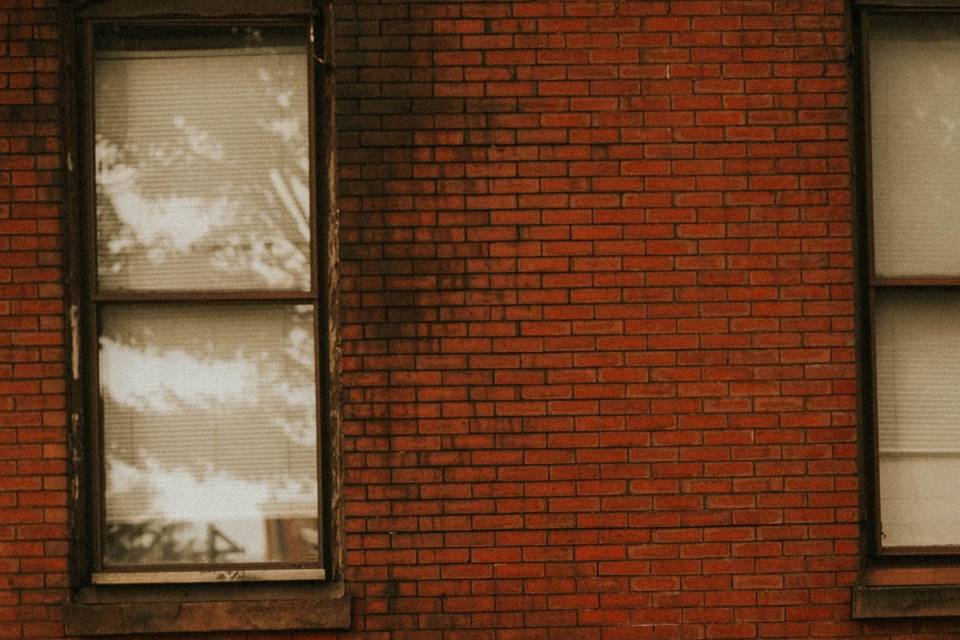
[202,158]
[918,415]
[915,144]
[209,418]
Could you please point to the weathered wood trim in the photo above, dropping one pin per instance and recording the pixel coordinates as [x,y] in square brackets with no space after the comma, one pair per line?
[194,577]
[930,572]
[950,5]
[329,221]
[238,615]
[905,601]
[144,8]
[77,440]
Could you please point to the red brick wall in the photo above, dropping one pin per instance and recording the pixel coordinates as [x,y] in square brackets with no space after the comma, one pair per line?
[33,497]
[597,314]
[598,334]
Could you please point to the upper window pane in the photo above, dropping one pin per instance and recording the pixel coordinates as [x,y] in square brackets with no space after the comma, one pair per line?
[202,158]
[915,144]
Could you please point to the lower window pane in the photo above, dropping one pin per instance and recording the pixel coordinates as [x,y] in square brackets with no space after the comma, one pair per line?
[918,414]
[209,427]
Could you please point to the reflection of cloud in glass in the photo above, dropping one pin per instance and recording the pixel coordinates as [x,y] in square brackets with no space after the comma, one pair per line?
[240,507]
[174,221]
[151,380]
[180,494]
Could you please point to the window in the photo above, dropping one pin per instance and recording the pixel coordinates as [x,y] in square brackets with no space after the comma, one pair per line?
[203,299]
[913,85]
[207,398]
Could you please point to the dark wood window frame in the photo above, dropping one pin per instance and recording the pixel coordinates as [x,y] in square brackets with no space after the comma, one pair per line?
[217,601]
[893,582]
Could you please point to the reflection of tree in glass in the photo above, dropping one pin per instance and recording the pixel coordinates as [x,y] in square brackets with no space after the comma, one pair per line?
[148,542]
[157,542]
[161,225]
[294,382]
[278,261]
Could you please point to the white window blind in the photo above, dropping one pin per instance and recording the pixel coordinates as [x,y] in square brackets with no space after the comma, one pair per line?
[914,87]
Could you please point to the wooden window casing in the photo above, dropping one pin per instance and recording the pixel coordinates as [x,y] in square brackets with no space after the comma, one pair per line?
[876,285]
[895,581]
[126,601]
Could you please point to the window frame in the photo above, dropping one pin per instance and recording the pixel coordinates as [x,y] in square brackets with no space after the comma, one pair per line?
[101,601]
[892,582]
[872,284]
[97,297]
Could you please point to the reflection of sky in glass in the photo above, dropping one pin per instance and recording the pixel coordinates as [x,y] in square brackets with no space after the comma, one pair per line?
[202,169]
[210,417]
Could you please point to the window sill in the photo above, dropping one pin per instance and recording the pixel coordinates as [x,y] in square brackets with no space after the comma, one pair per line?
[197,608]
[907,592]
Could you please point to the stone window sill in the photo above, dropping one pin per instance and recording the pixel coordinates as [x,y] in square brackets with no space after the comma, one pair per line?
[907,592]
[99,611]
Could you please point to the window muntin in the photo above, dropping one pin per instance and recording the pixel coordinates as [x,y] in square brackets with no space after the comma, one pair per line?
[205,299]
[913,91]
